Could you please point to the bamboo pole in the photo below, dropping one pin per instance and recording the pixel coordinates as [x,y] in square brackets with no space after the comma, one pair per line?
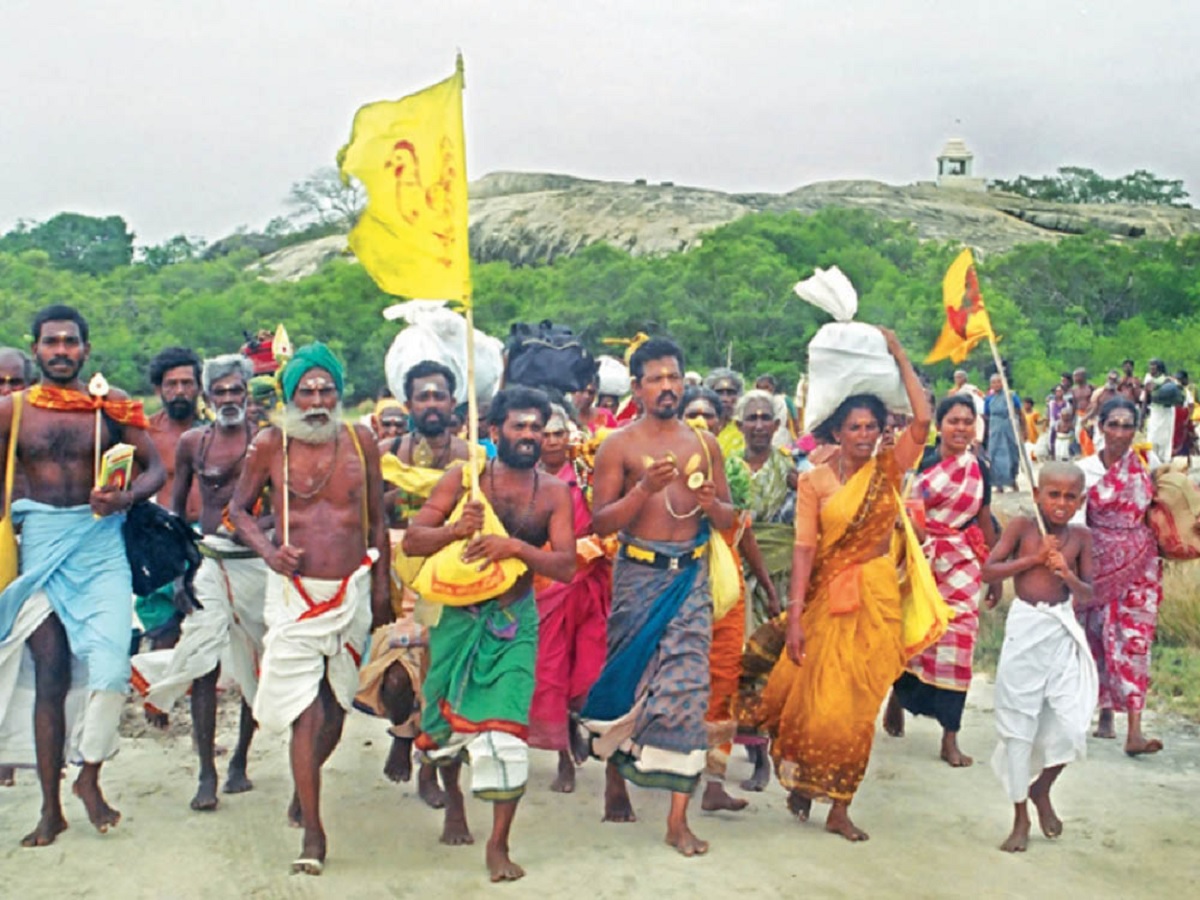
[1013,412]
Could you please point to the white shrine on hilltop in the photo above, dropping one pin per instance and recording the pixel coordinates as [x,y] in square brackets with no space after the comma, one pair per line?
[955,164]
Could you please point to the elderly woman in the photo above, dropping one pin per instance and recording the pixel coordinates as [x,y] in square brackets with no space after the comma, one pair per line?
[1127,587]
[953,485]
[843,637]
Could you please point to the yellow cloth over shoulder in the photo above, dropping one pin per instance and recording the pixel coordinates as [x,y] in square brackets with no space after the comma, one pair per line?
[445,578]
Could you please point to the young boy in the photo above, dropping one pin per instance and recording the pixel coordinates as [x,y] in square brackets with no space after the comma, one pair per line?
[1046,683]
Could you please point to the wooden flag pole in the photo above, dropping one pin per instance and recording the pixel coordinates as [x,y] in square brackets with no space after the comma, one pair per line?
[1013,412]
[472,402]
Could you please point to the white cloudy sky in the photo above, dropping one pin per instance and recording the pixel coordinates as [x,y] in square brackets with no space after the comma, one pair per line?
[195,117]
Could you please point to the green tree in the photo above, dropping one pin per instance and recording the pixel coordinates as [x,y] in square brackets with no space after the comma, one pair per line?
[75,242]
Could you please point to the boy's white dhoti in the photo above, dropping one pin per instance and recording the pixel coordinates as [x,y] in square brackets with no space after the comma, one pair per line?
[1046,691]
[228,628]
[310,638]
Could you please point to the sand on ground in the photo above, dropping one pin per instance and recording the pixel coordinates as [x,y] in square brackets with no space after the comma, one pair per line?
[1130,829]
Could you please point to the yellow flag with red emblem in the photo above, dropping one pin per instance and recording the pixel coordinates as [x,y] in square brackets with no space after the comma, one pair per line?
[410,155]
[967,321]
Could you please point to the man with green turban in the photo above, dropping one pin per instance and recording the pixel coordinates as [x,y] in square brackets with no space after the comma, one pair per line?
[328,584]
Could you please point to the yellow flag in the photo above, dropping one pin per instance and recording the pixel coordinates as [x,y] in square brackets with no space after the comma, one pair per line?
[967,321]
[410,156]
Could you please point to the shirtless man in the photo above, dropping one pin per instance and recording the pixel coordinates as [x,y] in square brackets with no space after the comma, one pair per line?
[1046,681]
[175,374]
[1081,396]
[229,585]
[390,684]
[329,578]
[485,717]
[646,490]
[1130,385]
[75,600]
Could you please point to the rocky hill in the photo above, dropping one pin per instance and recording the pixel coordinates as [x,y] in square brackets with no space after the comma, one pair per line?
[532,218]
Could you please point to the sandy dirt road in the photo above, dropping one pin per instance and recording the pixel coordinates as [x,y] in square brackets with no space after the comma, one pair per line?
[1132,829]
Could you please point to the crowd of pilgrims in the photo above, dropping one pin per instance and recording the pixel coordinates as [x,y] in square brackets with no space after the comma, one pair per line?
[610,646]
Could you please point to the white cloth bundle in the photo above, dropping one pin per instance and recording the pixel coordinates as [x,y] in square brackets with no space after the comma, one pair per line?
[613,377]
[437,333]
[845,357]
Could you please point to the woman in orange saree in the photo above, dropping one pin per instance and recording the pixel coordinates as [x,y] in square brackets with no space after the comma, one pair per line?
[843,645]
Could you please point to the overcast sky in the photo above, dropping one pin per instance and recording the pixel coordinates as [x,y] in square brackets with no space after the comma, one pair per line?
[196,117]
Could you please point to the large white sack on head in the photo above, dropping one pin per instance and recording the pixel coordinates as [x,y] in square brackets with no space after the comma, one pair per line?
[846,358]
[613,376]
[440,334]
[830,290]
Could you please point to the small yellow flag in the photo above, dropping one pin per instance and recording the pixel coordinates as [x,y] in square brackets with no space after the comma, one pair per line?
[410,156]
[967,321]
[281,345]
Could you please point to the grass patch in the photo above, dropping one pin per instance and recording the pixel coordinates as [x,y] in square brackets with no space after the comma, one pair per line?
[1175,680]
[1179,615]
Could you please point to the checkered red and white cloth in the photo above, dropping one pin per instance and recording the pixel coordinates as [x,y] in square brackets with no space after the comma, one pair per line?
[953,494]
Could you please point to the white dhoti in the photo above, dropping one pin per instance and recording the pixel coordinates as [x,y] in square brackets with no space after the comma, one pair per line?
[315,629]
[92,716]
[1160,430]
[1046,690]
[227,630]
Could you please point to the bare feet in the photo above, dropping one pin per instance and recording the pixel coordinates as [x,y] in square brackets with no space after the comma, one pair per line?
[428,789]
[399,762]
[950,752]
[294,816]
[157,717]
[762,770]
[893,717]
[87,789]
[799,805]
[1105,728]
[1052,825]
[580,749]
[1139,746]
[454,829]
[7,776]
[500,867]
[206,794]
[716,798]
[681,838]
[50,826]
[565,782]
[236,781]
[1018,840]
[311,860]
[617,807]
[838,822]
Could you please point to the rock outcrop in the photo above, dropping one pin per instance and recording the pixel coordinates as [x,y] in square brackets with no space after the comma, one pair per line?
[527,218]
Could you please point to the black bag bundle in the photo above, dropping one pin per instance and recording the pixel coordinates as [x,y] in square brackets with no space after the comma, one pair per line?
[160,547]
[547,355]
[1169,393]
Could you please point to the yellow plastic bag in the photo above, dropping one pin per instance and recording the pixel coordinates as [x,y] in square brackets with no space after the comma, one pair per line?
[924,614]
[9,559]
[724,574]
[445,578]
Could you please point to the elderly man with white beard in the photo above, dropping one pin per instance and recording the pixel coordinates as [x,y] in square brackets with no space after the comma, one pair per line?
[227,628]
[328,583]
